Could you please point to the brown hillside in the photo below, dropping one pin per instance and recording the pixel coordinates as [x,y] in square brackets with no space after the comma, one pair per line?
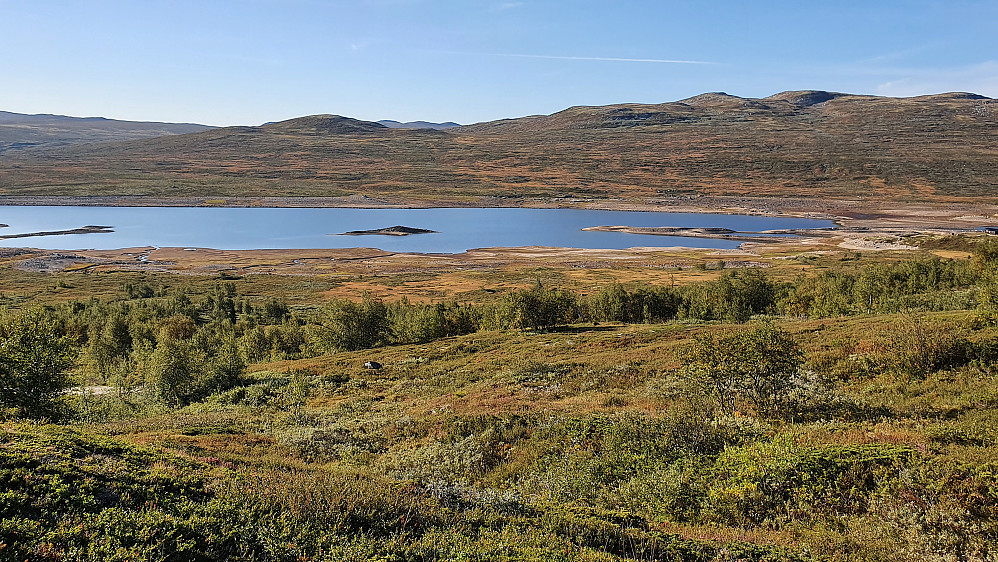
[20,131]
[802,143]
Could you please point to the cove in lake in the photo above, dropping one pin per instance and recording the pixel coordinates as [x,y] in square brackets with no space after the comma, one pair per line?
[457,229]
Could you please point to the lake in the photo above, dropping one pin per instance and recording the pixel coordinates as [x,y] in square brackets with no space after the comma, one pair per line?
[458,229]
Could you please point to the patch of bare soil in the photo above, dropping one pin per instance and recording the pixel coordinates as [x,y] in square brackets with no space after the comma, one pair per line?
[874,244]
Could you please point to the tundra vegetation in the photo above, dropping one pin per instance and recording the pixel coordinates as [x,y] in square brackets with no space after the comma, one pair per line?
[792,145]
[848,414]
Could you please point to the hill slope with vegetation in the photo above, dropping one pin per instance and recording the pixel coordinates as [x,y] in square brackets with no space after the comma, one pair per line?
[22,131]
[794,144]
[848,414]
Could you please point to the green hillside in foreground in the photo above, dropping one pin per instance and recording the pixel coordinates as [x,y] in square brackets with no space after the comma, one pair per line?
[849,415]
[813,144]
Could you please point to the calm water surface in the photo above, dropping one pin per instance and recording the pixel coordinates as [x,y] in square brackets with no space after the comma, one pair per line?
[458,229]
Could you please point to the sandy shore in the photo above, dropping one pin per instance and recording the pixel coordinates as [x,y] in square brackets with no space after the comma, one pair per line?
[372,261]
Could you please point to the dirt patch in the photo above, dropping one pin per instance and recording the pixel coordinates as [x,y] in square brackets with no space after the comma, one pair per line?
[873,244]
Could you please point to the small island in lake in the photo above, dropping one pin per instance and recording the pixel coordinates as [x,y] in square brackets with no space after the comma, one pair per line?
[714,232]
[89,229]
[391,231]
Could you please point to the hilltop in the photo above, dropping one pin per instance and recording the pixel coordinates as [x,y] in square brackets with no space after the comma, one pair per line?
[321,125]
[20,131]
[802,144]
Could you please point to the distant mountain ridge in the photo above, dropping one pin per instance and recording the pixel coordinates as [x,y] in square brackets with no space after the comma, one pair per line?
[806,143]
[20,130]
[418,124]
[716,107]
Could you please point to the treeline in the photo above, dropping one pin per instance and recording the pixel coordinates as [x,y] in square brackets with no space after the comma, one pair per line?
[924,284]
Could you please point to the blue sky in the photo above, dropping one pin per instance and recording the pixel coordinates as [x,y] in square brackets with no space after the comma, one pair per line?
[227,62]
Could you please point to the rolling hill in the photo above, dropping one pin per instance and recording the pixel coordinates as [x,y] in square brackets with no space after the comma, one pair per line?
[19,131]
[793,144]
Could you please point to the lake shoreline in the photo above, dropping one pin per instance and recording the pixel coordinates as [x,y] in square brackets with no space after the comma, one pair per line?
[453,229]
[843,212]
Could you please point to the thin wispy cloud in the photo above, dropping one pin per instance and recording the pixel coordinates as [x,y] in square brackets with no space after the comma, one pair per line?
[599,59]
[506,6]
[257,61]
[896,56]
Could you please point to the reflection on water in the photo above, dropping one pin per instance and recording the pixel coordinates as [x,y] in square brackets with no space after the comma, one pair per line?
[457,230]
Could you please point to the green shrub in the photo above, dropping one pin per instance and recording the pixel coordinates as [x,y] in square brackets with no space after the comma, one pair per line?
[917,347]
[613,303]
[779,482]
[760,365]
[735,297]
[537,309]
[34,363]
[344,324]
[940,510]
